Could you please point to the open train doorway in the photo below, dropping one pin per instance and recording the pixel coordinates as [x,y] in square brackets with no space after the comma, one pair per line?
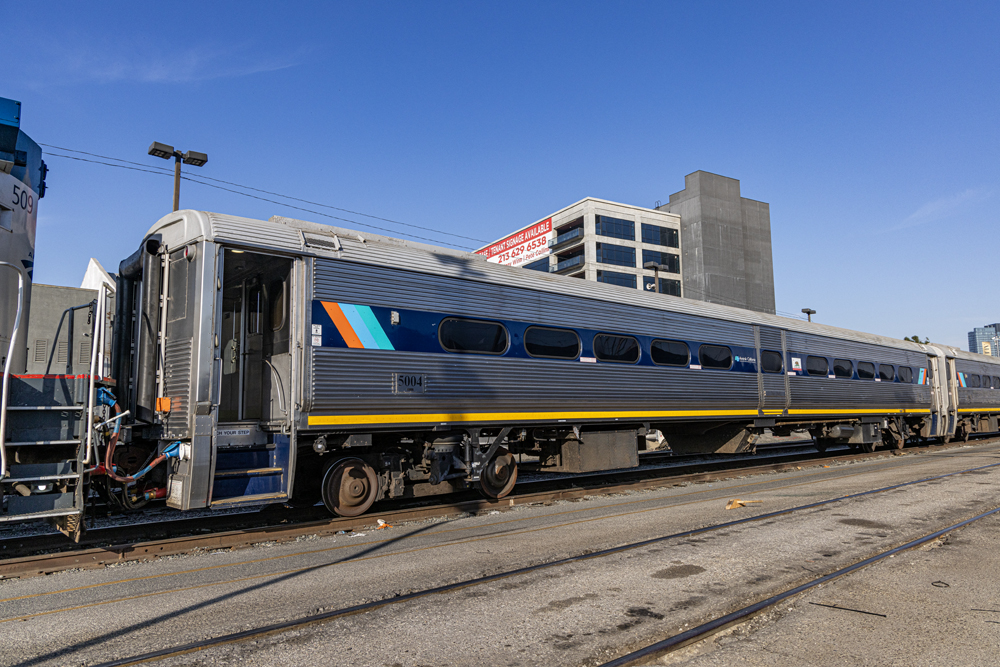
[252,444]
[254,339]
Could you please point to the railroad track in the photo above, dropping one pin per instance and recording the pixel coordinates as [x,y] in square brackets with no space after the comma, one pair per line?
[35,555]
[705,630]
[647,652]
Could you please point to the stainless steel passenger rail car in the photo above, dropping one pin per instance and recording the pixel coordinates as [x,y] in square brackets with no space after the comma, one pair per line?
[287,360]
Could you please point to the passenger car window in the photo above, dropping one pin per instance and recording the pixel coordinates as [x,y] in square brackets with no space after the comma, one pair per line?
[771,362]
[886,373]
[972,381]
[473,336]
[905,374]
[866,370]
[669,353]
[553,343]
[715,356]
[817,366]
[277,295]
[843,368]
[619,349]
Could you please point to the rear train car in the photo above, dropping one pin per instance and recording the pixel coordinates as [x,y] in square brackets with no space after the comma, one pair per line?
[287,361]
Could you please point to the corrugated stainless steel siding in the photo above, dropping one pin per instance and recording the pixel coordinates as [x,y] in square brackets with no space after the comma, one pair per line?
[832,347]
[254,232]
[177,364]
[347,381]
[422,258]
[838,393]
[395,288]
[770,339]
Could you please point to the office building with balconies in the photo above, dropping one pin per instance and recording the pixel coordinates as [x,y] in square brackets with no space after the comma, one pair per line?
[602,241]
[708,243]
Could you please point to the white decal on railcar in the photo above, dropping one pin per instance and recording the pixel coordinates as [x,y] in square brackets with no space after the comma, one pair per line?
[317,330]
[589,360]
[695,367]
[317,341]
[796,364]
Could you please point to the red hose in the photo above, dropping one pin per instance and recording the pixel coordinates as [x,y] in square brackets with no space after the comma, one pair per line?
[109,455]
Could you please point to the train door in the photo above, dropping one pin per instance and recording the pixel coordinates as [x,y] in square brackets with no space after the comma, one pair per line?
[952,389]
[772,382]
[252,442]
[254,339]
[937,379]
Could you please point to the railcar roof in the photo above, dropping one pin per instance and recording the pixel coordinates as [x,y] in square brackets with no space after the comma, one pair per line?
[293,236]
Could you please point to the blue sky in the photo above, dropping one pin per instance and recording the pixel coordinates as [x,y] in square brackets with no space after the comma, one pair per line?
[870,128]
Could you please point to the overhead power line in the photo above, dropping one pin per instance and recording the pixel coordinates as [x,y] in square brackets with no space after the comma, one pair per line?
[196,179]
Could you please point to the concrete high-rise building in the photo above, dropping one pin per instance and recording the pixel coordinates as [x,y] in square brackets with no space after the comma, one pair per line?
[984,340]
[726,241]
[709,243]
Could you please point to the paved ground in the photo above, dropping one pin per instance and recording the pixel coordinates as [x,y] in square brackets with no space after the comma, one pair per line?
[938,604]
[574,614]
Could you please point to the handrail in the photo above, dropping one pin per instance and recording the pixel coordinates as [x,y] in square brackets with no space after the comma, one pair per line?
[96,357]
[6,367]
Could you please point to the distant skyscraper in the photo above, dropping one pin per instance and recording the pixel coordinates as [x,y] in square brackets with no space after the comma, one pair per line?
[984,340]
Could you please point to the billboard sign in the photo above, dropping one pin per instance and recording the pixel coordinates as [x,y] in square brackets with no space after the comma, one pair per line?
[523,247]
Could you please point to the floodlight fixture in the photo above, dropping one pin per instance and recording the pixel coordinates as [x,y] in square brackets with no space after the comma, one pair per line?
[156,149]
[809,313]
[195,158]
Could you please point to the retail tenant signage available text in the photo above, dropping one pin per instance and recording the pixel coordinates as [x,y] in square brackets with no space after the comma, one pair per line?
[522,247]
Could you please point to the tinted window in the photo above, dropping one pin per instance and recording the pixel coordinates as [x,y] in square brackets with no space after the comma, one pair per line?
[972,381]
[540,265]
[659,235]
[715,356]
[623,349]
[621,255]
[996,382]
[473,336]
[905,374]
[617,228]
[277,304]
[886,373]
[843,368]
[666,259]
[615,278]
[670,353]
[866,370]
[817,366]
[556,343]
[771,362]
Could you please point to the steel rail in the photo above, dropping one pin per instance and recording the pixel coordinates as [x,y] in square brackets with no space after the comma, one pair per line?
[21,556]
[275,628]
[120,544]
[723,622]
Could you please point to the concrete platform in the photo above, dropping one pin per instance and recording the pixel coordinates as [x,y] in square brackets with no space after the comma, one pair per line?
[581,613]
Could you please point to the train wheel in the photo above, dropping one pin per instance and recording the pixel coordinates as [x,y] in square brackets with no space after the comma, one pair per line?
[499,476]
[349,487]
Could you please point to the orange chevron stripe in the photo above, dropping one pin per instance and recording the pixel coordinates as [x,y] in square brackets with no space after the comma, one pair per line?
[343,326]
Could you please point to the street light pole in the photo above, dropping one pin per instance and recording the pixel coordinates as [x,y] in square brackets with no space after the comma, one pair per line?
[809,313]
[656,268]
[177,182]
[193,158]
